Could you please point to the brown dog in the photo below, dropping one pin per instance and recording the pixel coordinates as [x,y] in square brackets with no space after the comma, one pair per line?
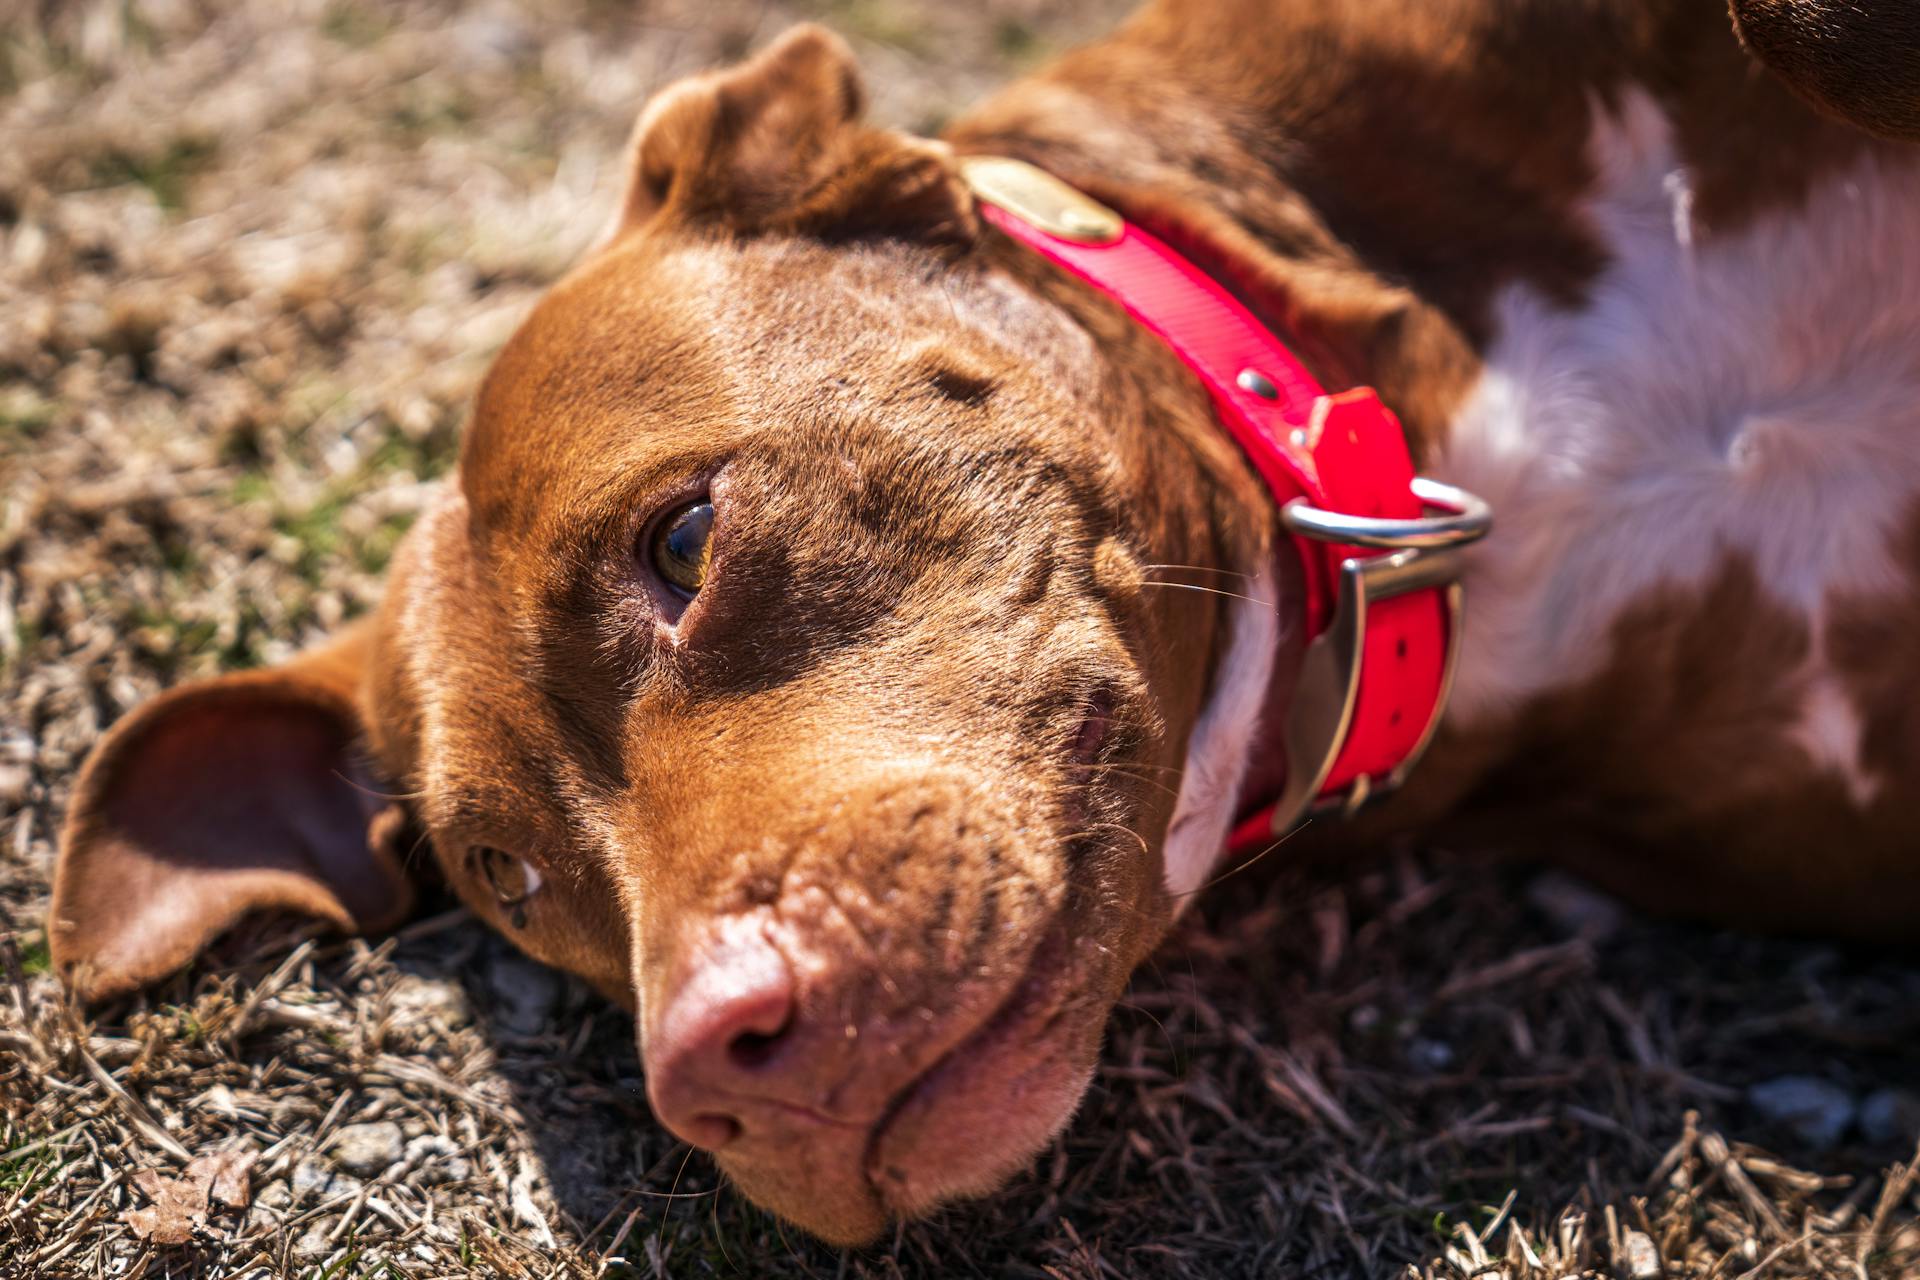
[789,655]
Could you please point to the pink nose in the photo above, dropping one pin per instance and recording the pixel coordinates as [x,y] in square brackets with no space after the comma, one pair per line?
[720,1039]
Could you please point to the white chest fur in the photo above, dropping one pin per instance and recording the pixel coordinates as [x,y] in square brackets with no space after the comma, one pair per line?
[1753,394]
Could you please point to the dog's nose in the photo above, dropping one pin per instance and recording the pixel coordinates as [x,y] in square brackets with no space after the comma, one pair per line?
[720,1037]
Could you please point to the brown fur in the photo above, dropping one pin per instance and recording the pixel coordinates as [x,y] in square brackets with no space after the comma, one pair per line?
[909,747]
[1858,61]
[1673,776]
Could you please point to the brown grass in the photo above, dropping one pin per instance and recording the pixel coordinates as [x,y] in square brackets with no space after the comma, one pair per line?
[253,257]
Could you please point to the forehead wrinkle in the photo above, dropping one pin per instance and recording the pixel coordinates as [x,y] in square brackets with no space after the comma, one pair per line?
[880,294]
[790,358]
[606,352]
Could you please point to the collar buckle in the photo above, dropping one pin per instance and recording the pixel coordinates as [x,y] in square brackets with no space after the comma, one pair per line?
[1421,554]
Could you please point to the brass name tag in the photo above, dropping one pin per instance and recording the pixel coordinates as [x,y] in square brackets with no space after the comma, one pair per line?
[1036,196]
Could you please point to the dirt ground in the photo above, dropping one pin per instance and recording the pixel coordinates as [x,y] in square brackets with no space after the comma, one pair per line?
[253,258]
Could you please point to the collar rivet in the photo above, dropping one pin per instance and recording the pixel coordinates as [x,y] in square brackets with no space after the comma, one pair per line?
[1257,383]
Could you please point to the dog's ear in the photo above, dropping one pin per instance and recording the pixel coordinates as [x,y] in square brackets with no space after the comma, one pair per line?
[1855,59]
[776,145]
[232,795]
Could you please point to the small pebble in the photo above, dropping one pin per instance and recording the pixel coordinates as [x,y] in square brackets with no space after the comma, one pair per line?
[525,993]
[1643,1260]
[313,1242]
[1578,908]
[287,1113]
[269,1206]
[311,1179]
[435,1159]
[1890,1116]
[1430,1055]
[368,1149]
[1815,1111]
[435,1002]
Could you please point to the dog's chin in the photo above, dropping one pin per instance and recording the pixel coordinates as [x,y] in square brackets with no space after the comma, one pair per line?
[823,1189]
[981,1116]
[981,1113]
[960,1131]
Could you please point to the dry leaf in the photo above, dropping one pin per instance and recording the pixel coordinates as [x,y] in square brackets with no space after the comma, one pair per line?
[229,1176]
[180,1204]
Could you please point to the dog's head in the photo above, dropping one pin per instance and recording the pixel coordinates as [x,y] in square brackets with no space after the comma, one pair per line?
[786,658]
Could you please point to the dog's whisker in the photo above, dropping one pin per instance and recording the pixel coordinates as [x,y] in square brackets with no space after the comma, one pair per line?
[713,1208]
[413,850]
[678,1195]
[1137,764]
[1125,772]
[1234,871]
[660,1232]
[1198,568]
[1213,591]
[1173,1050]
[376,794]
[1091,827]
[780,1228]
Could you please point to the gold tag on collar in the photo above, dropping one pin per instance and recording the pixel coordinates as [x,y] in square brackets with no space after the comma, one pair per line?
[1036,196]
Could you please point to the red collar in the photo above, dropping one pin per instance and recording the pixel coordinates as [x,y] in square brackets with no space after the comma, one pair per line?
[1383,602]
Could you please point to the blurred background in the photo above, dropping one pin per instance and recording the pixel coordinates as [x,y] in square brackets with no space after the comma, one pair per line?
[254,257]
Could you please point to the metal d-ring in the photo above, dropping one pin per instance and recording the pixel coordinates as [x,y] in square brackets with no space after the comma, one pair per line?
[1421,556]
[1468,520]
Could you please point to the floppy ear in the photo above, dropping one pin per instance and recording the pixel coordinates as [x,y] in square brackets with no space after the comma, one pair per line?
[237,794]
[776,144]
[1856,59]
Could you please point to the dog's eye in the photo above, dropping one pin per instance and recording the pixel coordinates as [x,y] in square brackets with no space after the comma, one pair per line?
[512,880]
[682,547]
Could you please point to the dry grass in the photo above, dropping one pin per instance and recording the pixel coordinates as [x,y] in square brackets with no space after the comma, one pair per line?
[253,257]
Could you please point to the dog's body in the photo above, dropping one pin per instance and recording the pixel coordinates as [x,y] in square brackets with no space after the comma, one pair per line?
[864,799]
